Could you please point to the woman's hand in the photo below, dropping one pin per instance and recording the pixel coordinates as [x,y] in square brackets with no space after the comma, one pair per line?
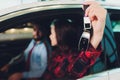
[97,15]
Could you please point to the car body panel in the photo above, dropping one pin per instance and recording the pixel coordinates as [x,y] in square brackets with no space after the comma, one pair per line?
[106,75]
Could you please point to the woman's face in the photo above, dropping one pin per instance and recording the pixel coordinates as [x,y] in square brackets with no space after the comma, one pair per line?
[53,36]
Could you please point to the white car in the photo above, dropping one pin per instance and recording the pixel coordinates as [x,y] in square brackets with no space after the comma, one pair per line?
[16,32]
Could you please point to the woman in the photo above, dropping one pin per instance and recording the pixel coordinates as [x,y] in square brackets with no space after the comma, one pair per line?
[67,62]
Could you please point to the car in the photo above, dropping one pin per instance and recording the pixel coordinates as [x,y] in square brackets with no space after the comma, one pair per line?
[16,32]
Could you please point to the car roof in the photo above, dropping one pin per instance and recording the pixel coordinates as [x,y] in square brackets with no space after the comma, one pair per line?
[46,5]
[39,6]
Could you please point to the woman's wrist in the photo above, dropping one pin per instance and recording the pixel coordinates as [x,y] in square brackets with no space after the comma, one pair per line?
[95,40]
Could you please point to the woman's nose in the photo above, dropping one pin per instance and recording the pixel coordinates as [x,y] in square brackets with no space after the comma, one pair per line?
[50,36]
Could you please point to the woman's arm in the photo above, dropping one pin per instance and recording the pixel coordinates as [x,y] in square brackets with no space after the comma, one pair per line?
[97,15]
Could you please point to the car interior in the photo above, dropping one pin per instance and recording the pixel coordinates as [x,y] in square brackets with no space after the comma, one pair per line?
[16,37]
